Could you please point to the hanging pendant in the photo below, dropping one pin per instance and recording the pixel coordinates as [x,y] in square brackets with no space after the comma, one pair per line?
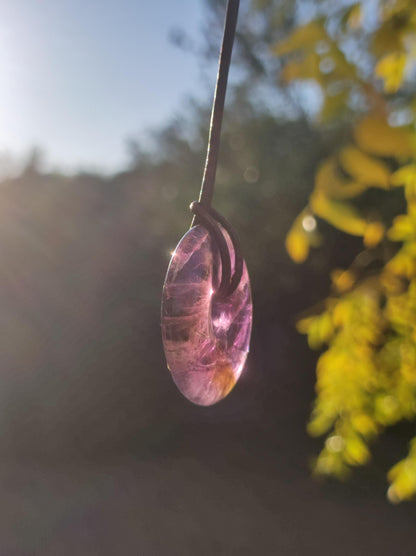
[206,299]
[205,338]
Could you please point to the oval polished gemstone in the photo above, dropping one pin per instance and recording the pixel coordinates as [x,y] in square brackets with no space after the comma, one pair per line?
[206,340]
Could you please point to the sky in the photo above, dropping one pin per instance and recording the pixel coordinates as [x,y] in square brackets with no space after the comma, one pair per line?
[79,77]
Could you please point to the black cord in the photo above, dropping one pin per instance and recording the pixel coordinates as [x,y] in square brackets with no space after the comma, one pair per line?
[203,212]
[208,181]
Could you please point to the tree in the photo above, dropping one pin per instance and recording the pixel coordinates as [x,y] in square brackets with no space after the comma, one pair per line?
[360,60]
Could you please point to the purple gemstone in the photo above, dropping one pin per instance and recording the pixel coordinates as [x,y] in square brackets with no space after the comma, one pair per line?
[206,340]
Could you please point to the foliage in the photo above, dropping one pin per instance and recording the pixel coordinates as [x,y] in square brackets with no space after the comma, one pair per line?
[361,57]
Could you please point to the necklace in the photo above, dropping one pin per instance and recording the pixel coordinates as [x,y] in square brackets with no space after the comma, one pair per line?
[206,298]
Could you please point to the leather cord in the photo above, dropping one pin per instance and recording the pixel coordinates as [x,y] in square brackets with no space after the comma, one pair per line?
[203,212]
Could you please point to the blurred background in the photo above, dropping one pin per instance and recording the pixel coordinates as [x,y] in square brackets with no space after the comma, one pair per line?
[104,112]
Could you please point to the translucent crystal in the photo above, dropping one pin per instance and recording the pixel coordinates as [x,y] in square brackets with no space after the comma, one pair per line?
[205,339]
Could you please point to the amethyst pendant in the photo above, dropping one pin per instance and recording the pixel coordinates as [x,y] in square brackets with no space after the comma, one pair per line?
[205,339]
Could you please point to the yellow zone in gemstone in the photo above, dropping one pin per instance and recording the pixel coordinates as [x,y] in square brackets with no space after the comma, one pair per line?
[224,379]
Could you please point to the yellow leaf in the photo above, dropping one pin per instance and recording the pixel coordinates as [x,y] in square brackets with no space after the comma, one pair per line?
[302,37]
[363,424]
[374,135]
[356,452]
[343,280]
[325,328]
[391,70]
[328,180]
[302,235]
[297,244]
[364,168]
[320,422]
[403,228]
[303,325]
[406,176]
[386,409]
[373,234]
[329,463]
[342,313]
[391,283]
[341,215]
[402,264]
[403,477]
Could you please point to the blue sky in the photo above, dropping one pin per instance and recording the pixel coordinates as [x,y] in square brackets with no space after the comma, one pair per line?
[80,76]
